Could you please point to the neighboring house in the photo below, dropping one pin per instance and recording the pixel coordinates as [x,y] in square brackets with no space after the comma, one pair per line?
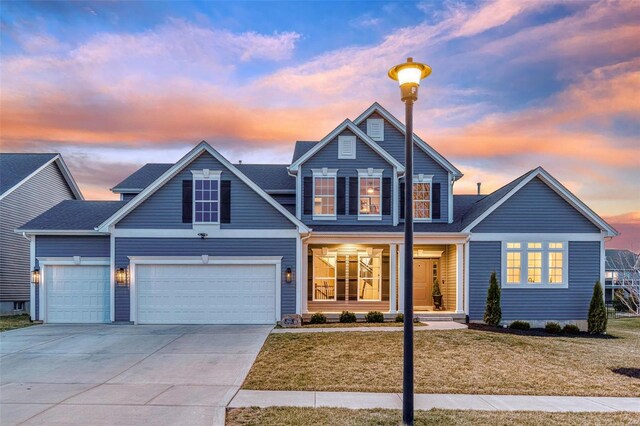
[30,184]
[622,269]
[207,241]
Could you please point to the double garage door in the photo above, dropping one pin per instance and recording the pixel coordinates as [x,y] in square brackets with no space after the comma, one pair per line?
[167,294]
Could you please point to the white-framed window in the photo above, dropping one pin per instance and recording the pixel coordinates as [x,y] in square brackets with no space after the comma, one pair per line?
[206,196]
[535,264]
[370,194]
[375,129]
[324,275]
[346,147]
[422,198]
[324,193]
[370,276]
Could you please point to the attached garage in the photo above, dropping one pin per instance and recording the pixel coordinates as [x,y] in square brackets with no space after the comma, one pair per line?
[215,291]
[76,293]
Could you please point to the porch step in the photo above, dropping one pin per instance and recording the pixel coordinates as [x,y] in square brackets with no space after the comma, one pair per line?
[432,318]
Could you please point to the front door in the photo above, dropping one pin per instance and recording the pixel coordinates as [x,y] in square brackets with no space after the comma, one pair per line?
[425,272]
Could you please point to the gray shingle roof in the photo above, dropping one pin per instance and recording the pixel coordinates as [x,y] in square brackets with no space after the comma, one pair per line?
[620,259]
[142,177]
[269,176]
[74,215]
[16,167]
[301,148]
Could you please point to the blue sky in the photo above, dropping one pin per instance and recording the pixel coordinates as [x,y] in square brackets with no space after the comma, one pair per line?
[515,84]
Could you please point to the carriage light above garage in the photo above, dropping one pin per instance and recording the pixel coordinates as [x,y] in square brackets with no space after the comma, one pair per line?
[35,276]
[287,275]
[122,277]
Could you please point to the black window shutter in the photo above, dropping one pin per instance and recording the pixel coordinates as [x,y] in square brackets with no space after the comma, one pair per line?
[386,196]
[435,201]
[308,195]
[225,201]
[341,184]
[353,195]
[187,201]
[401,198]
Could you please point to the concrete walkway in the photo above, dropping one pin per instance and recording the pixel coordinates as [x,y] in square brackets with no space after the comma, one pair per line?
[430,326]
[360,400]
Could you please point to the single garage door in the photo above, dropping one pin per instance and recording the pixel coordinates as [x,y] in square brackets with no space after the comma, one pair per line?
[206,294]
[77,294]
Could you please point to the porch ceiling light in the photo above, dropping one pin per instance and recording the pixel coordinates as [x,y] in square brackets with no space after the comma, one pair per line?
[35,276]
[408,76]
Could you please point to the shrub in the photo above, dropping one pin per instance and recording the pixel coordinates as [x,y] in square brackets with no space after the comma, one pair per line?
[318,318]
[597,320]
[436,288]
[571,329]
[520,325]
[374,316]
[552,328]
[347,316]
[493,312]
[400,318]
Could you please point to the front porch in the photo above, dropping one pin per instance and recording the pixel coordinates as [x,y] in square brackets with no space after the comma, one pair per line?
[364,277]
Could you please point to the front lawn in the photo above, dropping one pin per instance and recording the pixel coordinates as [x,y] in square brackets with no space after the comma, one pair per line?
[360,324]
[454,361]
[327,417]
[14,321]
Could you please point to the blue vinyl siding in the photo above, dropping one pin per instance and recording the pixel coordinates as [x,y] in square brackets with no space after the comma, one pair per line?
[69,246]
[127,196]
[285,247]
[365,158]
[393,143]
[536,208]
[535,304]
[163,209]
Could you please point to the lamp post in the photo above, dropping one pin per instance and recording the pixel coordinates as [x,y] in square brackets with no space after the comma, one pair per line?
[408,76]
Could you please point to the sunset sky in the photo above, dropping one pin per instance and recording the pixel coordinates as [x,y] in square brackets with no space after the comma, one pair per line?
[515,84]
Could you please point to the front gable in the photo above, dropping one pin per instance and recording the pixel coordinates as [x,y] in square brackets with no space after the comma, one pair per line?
[536,208]
[163,208]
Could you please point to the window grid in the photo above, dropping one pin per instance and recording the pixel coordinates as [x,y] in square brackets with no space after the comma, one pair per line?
[370,278]
[324,277]
[206,200]
[370,196]
[535,263]
[513,267]
[324,197]
[422,200]
[534,267]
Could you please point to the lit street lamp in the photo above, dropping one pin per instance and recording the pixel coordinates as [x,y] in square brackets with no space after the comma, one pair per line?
[408,76]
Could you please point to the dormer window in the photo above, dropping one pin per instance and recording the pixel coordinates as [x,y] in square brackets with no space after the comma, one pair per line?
[375,129]
[206,196]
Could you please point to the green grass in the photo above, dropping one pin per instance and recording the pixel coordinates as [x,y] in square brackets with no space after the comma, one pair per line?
[289,416]
[14,321]
[454,361]
[360,324]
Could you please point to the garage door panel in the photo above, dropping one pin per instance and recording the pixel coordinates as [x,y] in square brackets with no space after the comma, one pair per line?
[77,294]
[206,294]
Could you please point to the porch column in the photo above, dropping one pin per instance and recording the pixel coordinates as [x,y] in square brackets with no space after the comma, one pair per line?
[459,278]
[401,278]
[305,279]
[392,279]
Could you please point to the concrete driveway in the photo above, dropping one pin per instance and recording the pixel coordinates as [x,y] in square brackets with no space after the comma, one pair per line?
[124,374]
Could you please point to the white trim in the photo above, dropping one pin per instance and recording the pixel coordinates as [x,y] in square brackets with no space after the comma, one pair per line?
[450,181]
[64,170]
[395,199]
[344,139]
[199,260]
[60,232]
[213,232]
[560,190]
[346,124]
[180,165]
[603,257]
[324,173]
[393,279]
[333,254]
[422,178]
[112,277]
[304,259]
[45,262]
[380,122]
[32,287]
[459,278]
[376,107]
[536,237]
[524,259]
[401,278]
[372,255]
[299,194]
[466,278]
[369,173]
[298,272]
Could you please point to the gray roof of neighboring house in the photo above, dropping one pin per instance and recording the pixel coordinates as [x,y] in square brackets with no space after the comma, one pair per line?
[15,167]
[617,259]
[301,148]
[74,215]
[142,177]
[269,176]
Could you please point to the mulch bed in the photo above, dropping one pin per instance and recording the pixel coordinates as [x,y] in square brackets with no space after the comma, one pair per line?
[537,332]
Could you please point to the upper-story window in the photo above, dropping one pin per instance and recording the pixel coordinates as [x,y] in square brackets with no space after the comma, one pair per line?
[206,196]
[370,193]
[422,197]
[535,264]
[324,193]
[375,129]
